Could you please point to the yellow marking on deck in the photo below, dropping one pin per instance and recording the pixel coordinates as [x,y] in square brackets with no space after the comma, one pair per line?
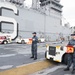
[58,47]
[28,69]
[57,61]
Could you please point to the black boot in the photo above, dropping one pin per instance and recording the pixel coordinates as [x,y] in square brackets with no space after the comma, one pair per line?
[66,69]
[35,58]
[32,57]
[73,71]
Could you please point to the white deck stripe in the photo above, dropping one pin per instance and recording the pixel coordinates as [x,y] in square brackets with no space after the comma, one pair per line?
[7,55]
[6,67]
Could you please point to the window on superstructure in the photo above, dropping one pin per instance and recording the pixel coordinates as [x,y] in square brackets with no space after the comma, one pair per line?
[56,5]
[45,3]
[18,2]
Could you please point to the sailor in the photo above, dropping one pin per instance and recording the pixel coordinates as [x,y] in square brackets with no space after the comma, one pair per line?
[34,46]
[71,56]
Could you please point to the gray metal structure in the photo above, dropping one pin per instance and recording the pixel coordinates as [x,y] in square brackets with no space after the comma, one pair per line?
[46,20]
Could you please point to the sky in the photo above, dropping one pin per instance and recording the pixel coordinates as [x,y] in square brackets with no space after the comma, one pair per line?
[68,10]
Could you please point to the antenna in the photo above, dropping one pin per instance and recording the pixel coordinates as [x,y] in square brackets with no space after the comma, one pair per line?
[35,3]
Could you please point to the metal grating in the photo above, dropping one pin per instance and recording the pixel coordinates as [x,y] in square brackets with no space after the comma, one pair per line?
[52,50]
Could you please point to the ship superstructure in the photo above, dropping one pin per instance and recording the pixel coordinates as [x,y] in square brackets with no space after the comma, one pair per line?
[44,17]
